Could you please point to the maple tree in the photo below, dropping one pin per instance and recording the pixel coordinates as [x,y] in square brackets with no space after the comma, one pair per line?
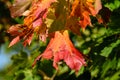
[53,19]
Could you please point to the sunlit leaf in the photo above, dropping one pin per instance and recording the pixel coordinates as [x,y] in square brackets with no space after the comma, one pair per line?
[19,7]
[33,22]
[98,5]
[82,9]
[107,50]
[14,41]
[61,48]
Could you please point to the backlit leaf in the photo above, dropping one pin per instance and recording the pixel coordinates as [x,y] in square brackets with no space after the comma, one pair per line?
[98,5]
[14,41]
[61,48]
[107,50]
[81,10]
[19,7]
[33,22]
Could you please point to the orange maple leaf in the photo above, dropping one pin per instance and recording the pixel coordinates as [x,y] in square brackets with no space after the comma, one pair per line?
[60,48]
[33,22]
[81,10]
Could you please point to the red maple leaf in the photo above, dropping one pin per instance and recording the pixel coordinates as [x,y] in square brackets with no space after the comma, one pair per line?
[104,15]
[60,48]
[33,22]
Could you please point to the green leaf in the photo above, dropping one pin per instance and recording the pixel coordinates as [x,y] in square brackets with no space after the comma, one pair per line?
[116,76]
[108,67]
[108,49]
[113,6]
[28,75]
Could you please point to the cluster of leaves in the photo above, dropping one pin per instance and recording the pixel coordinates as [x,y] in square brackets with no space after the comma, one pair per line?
[100,45]
[35,22]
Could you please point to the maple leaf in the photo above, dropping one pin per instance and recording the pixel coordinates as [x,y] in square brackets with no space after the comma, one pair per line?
[20,31]
[33,22]
[81,10]
[72,23]
[98,5]
[15,30]
[19,7]
[104,15]
[61,48]
[14,41]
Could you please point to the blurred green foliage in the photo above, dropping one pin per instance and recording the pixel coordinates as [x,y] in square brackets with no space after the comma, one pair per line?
[100,44]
